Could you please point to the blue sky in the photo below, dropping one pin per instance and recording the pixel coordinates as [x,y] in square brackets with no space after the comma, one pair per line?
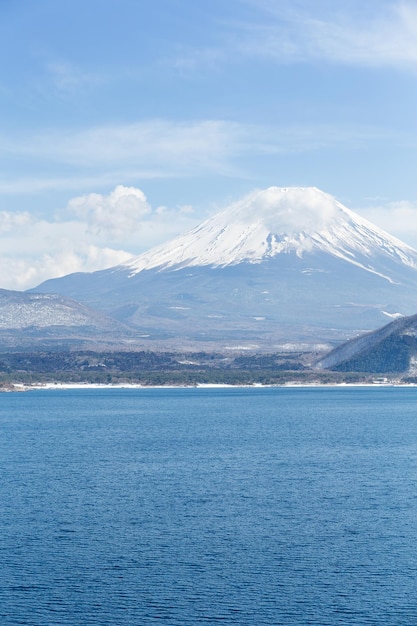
[126,122]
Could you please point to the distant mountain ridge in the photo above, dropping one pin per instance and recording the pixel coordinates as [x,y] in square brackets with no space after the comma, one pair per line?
[33,320]
[284,267]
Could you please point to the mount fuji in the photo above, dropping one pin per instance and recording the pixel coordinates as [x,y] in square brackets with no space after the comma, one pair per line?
[284,267]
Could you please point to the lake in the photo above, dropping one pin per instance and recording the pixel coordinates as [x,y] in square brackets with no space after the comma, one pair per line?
[265,506]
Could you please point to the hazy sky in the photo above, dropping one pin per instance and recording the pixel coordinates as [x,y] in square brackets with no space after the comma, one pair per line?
[124,122]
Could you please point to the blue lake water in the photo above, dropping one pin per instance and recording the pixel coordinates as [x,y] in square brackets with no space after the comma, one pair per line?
[205,506]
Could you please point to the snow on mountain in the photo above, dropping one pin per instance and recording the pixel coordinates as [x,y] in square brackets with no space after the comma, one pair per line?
[36,321]
[283,265]
[276,221]
[20,311]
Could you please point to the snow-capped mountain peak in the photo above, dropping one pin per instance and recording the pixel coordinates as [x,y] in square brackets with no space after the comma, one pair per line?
[274,221]
[283,266]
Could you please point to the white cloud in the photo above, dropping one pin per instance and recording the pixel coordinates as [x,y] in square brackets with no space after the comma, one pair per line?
[117,214]
[10,221]
[68,78]
[288,210]
[148,144]
[382,33]
[103,156]
[389,38]
[35,249]
[32,269]
[93,232]
[107,154]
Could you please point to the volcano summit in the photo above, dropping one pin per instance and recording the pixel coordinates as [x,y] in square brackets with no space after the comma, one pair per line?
[283,266]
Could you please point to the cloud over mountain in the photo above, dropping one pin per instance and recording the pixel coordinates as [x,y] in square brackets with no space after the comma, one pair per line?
[287,210]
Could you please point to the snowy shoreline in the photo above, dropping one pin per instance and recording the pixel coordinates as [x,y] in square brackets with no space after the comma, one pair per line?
[290,385]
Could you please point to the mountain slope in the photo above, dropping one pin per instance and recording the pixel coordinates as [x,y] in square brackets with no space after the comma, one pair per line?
[391,349]
[32,320]
[280,221]
[283,266]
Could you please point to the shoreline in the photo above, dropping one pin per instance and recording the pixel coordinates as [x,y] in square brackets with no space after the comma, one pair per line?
[20,387]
